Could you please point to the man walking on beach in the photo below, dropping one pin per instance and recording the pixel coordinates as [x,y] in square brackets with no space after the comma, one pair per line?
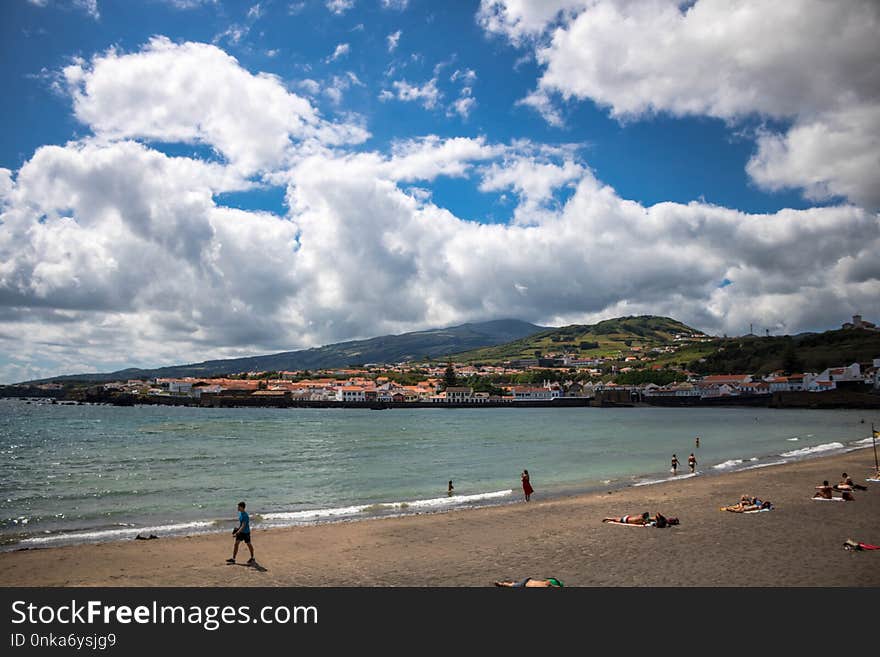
[242,533]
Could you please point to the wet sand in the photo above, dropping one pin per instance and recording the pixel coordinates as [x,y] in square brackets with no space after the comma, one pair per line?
[798,544]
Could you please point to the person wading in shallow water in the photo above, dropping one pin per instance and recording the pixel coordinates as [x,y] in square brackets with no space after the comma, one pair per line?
[527,485]
[674,464]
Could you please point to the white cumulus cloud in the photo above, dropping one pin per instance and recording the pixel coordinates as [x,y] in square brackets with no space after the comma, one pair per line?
[193,92]
[808,62]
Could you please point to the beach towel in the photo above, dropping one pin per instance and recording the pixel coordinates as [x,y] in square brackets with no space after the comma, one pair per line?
[874,480]
[626,524]
[825,499]
[759,510]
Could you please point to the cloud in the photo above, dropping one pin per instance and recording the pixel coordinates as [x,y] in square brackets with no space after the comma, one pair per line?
[89,6]
[232,34]
[466,102]
[467,76]
[113,253]
[189,4]
[339,84]
[341,51]
[392,40]
[339,7]
[534,181]
[835,155]
[427,94]
[310,86]
[463,106]
[399,5]
[522,20]
[191,93]
[806,62]
[540,101]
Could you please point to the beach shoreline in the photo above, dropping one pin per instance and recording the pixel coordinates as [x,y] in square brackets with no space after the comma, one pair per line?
[797,544]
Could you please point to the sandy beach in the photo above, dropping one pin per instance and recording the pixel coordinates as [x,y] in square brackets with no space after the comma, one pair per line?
[797,544]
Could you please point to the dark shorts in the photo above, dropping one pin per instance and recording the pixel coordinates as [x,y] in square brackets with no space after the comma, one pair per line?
[241,536]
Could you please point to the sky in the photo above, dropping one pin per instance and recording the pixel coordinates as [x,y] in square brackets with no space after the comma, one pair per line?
[183,180]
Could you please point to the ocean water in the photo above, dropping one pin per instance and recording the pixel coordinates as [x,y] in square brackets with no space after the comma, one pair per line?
[92,473]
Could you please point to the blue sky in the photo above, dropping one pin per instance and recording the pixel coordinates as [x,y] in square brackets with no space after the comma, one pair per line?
[662,159]
[617,160]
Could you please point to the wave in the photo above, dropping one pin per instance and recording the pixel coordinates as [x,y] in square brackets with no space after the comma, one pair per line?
[732,463]
[433,503]
[765,465]
[660,481]
[113,534]
[827,447]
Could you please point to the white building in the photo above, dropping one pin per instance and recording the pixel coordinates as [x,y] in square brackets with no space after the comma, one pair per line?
[459,394]
[849,373]
[350,394]
[526,393]
[181,387]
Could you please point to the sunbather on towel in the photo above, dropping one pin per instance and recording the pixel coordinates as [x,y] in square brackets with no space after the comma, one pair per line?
[747,503]
[528,582]
[660,521]
[850,544]
[641,519]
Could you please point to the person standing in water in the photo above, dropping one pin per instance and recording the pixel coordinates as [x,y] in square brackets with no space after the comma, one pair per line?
[692,462]
[527,485]
[674,464]
[450,489]
[697,442]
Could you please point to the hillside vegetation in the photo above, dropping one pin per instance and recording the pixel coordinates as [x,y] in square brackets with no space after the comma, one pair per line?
[607,339]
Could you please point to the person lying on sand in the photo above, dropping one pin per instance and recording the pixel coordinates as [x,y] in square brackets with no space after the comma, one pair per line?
[641,519]
[528,582]
[744,501]
[747,503]
[658,520]
[850,544]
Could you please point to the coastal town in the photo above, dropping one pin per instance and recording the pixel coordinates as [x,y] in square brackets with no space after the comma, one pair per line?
[457,384]
[562,373]
[377,384]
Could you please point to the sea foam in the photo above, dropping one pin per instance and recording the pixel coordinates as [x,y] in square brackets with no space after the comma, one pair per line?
[432,503]
[827,447]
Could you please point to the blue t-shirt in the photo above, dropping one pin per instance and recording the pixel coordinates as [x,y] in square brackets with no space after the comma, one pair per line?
[245,522]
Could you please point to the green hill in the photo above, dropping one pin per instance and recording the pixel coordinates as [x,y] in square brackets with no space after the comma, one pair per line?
[808,352]
[661,341]
[609,338]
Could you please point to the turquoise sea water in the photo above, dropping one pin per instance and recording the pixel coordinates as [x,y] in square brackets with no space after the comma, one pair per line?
[90,473]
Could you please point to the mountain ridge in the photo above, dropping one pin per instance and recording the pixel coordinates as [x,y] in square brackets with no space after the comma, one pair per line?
[382,349]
